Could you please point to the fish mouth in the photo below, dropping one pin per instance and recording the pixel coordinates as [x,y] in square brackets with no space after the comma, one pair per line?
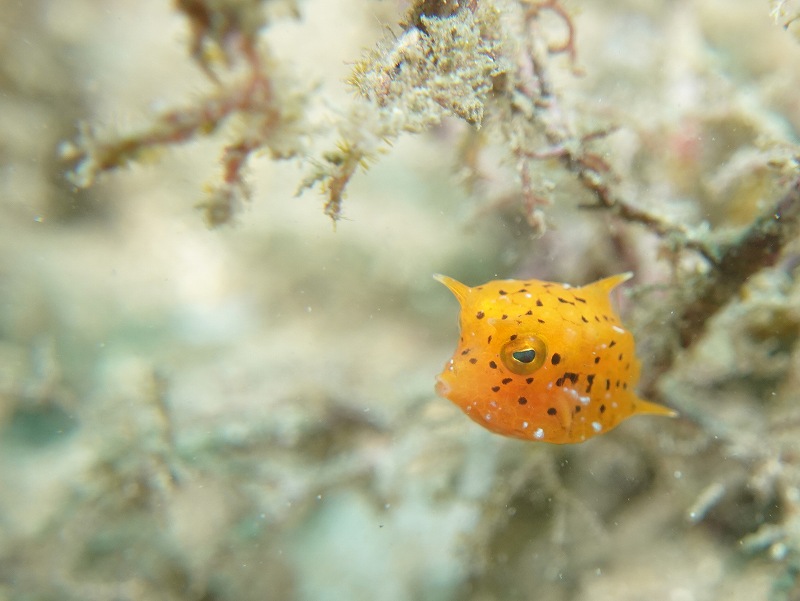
[442,387]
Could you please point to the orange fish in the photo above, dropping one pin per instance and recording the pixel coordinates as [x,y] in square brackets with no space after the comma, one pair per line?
[543,361]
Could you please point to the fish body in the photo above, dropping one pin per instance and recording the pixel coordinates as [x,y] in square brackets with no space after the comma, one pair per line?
[543,361]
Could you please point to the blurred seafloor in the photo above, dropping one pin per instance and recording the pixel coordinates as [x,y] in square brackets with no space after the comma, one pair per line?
[248,412]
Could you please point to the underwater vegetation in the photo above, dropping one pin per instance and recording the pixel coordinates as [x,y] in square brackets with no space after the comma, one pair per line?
[247,410]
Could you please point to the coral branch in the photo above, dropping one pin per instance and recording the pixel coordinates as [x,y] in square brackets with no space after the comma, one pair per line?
[440,65]
[682,237]
[758,247]
[568,45]
[703,295]
[94,156]
[264,99]
[224,30]
[271,115]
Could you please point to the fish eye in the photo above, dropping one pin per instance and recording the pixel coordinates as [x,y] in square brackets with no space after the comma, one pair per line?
[524,355]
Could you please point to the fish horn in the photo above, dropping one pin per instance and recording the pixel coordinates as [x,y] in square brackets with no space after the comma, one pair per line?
[459,290]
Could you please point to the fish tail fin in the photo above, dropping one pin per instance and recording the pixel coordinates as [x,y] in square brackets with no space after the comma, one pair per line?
[648,407]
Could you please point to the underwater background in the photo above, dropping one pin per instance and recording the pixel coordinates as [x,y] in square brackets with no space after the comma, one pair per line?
[219,331]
